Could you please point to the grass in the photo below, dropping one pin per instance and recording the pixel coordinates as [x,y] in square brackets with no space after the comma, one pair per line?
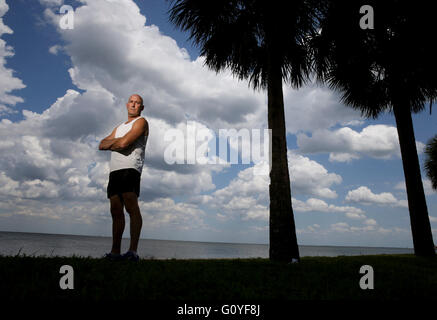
[314,278]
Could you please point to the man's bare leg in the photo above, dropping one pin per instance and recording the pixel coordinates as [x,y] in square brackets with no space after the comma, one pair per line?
[118,223]
[130,200]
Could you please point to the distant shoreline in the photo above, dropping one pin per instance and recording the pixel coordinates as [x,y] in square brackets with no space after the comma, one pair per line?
[207,242]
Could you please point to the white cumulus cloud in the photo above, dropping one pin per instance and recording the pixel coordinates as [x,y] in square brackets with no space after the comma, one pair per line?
[364,195]
[247,196]
[427,187]
[315,107]
[318,205]
[310,177]
[346,144]
[8,82]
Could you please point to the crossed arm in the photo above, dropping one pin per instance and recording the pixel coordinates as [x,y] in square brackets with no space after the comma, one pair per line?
[140,127]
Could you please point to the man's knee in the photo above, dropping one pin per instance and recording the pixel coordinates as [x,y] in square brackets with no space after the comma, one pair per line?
[116,207]
[130,200]
[117,212]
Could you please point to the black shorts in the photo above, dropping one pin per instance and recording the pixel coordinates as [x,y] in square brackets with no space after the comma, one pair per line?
[124,180]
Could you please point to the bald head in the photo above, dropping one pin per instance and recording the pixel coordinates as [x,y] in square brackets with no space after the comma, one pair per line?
[137,96]
[134,106]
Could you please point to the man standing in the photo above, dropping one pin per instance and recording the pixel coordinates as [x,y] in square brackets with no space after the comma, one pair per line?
[127,143]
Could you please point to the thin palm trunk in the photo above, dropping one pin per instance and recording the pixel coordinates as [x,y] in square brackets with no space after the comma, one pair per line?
[283,241]
[420,226]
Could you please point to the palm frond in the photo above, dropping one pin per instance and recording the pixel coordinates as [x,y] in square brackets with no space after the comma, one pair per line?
[372,68]
[431,161]
[245,35]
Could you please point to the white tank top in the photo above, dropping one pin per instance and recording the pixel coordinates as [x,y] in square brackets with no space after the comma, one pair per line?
[133,156]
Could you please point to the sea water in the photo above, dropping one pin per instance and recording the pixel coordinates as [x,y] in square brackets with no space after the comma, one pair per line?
[37,244]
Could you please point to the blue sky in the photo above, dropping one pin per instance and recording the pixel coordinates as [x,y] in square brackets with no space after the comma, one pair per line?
[64,90]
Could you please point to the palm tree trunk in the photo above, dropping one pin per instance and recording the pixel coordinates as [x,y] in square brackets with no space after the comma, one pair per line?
[283,241]
[420,226]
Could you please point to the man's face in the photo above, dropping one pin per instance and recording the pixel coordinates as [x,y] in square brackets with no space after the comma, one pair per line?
[134,106]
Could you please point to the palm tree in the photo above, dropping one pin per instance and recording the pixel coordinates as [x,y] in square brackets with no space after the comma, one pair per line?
[389,68]
[431,161]
[264,42]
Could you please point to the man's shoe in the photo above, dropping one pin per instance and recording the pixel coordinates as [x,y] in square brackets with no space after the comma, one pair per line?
[131,256]
[113,256]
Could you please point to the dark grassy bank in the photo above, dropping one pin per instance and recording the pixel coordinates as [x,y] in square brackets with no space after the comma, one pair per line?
[395,277]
